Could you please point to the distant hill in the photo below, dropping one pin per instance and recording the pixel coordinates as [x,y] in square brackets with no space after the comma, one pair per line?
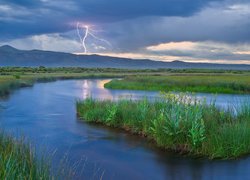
[10,56]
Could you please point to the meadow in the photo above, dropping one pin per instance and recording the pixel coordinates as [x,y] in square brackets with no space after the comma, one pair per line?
[177,123]
[192,80]
[227,83]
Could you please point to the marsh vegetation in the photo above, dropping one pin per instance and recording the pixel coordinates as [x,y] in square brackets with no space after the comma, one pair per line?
[192,80]
[204,82]
[178,123]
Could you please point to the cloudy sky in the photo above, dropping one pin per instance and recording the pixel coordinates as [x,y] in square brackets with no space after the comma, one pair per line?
[167,30]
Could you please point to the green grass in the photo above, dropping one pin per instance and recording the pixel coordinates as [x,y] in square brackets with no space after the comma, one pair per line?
[17,161]
[210,83]
[177,123]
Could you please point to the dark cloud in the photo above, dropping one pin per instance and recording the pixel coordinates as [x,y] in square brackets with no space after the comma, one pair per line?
[117,10]
[213,24]
[38,16]
[25,3]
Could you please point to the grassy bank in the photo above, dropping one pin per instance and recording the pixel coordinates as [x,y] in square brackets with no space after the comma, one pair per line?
[177,123]
[9,83]
[209,83]
[18,161]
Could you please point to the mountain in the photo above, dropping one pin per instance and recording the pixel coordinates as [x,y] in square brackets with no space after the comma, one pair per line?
[10,56]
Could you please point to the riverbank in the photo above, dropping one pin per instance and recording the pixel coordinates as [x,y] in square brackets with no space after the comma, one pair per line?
[177,123]
[9,83]
[201,82]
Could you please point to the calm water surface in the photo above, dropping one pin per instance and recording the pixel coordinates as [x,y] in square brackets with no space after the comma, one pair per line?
[46,114]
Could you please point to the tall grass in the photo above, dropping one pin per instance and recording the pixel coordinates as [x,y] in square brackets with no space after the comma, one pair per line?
[177,122]
[17,161]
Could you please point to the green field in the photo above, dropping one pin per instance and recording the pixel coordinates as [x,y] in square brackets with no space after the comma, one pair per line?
[177,123]
[183,82]
[194,80]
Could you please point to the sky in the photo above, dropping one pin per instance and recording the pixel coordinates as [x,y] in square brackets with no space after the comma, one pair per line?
[216,31]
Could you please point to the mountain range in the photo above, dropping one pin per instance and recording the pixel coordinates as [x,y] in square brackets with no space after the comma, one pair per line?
[10,56]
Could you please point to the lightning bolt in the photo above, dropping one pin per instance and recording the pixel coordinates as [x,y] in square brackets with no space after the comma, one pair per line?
[100,39]
[84,37]
[87,31]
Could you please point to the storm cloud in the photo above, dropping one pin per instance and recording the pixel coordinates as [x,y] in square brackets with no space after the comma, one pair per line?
[25,17]
[132,26]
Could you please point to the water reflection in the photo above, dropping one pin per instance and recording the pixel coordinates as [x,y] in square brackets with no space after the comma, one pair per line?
[95,89]
[101,83]
[85,89]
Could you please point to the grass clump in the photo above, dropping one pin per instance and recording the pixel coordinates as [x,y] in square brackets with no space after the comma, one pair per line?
[17,161]
[177,122]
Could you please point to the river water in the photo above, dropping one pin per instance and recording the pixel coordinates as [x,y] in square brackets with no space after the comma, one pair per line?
[46,114]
